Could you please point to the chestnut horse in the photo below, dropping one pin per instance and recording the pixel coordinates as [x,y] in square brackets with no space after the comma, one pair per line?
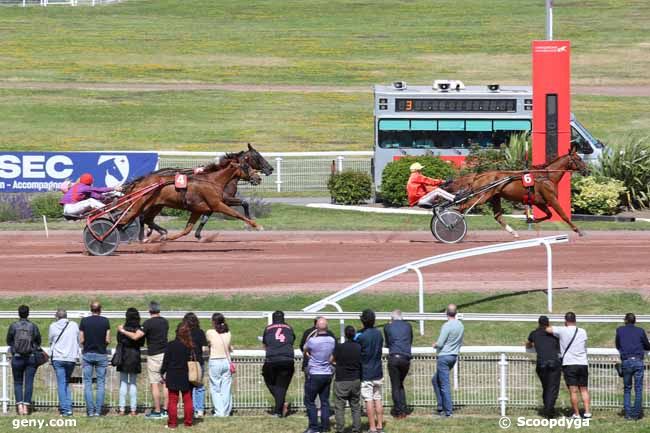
[204,194]
[545,190]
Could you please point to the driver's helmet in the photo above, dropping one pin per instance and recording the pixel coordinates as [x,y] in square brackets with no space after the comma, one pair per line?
[86,179]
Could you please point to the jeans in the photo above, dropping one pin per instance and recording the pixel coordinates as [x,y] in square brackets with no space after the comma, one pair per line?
[23,369]
[96,362]
[220,383]
[398,368]
[441,384]
[128,383]
[549,374]
[63,371]
[632,371]
[277,377]
[318,385]
[198,394]
[347,391]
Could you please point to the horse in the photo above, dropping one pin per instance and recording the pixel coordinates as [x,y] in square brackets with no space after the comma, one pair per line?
[547,177]
[204,194]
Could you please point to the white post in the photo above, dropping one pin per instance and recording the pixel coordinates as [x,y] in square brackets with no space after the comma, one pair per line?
[24,3]
[278,169]
[456,375]
[341,321]
[503,364]
[549,277]
[47,233]
[269,319]
[339,163]
[5,398]
[420,295]
[549,20]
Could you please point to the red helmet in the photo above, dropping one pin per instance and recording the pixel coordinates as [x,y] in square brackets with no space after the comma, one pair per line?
[86,179]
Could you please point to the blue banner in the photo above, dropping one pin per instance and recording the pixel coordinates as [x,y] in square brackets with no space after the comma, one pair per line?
[44,171]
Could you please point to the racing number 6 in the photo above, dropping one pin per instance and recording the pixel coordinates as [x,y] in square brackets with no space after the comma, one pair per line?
[279,336]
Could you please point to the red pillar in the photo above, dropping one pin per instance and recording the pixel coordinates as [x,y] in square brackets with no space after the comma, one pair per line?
[552,110]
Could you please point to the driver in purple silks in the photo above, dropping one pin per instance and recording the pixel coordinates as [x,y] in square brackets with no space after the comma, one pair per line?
[83,196]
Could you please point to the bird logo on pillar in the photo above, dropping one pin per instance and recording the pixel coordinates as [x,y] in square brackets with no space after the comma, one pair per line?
[180,181]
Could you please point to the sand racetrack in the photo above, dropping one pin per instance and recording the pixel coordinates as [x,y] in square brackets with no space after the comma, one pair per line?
[258,262]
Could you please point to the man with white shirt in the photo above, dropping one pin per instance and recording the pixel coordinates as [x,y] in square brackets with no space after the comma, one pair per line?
[573,351]
[63,338]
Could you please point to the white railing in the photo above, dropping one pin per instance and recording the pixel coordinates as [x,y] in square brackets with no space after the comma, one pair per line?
[416,265]
[485,376]
[293,171]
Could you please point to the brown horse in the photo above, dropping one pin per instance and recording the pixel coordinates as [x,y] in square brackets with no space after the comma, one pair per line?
[545,190]
[204,194]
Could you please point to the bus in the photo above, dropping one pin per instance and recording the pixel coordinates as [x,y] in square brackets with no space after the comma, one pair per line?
[447,119]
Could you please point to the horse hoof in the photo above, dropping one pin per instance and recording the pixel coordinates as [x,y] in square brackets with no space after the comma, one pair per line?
[259,228]
[516,235]
[581,234]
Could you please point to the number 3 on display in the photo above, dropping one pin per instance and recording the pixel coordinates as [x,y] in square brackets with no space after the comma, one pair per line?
[279,336]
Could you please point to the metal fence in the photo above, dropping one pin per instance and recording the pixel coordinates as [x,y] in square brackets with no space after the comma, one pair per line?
[488,377]
[292,172]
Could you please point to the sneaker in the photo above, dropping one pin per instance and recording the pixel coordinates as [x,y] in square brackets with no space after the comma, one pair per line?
[153,415]
[576,416]
[587,415]
[198,414]
[164,413]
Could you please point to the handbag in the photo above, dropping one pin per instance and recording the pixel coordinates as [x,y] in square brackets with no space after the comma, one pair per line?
[41,357]
[194,371]
[118,356]
[231,365]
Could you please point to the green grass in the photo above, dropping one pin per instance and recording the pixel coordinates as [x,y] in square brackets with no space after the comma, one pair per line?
[604,422]
[245,332]
[334,42]
[290,217]
[225,121]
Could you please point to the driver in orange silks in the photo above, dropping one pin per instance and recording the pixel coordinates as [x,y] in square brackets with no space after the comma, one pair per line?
[424,190]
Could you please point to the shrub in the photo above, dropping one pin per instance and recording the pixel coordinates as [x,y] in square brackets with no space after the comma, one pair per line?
[629,162]
[510,157]
[596,195]
[396,175]
[15,207]
[47,204]
[480,160]
[350,187]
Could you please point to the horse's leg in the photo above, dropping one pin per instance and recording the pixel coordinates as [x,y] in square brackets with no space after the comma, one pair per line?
[495,203]
[551,199]
[226,210]
[188,227]
[148,218]
[204,220]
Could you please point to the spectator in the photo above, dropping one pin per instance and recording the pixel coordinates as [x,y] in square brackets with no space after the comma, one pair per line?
[199,341]
[220,377]
[278,365]
[131,365]
[448,347]
[309,332]
[23,339]
[549,367]
[372,375]
[94,336]
[398,335]
[347,388]
[573,346]
[63,338]
[176,375]
[155,330]
[319,349]
[632,342]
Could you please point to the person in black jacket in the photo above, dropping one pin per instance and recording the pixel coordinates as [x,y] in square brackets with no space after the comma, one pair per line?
[398,335]
[278,365]
[199,341]
[347,388]
[549,365]
[23,339]
[175,373]
[131,362]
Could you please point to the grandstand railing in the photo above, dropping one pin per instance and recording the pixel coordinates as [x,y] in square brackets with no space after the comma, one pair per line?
[498,377]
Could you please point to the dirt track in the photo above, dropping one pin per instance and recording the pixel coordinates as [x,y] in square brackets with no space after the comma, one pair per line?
[310,261]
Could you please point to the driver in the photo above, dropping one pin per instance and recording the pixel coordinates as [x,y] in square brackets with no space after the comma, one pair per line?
[83,196]
[424,190]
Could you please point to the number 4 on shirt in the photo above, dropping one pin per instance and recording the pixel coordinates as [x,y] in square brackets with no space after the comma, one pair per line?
[279,336]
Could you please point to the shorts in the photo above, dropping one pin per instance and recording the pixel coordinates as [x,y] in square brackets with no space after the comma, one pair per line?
[576,375]
[154,363]
[372,389]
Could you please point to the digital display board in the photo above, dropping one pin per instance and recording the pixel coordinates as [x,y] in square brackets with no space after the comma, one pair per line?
[457,105]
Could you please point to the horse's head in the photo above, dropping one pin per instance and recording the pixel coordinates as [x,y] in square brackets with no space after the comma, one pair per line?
[255,159]
[246,172]
[576,163]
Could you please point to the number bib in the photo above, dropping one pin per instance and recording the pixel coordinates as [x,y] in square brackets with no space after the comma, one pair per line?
[528,180]
[180,181]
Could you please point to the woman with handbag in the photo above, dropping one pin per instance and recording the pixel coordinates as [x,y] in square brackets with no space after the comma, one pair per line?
[199,340]
[221,367]
[175,371]
[128,361]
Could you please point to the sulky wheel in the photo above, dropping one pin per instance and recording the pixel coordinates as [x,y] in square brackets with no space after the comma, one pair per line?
[449,226]
[101,227]
[130,232]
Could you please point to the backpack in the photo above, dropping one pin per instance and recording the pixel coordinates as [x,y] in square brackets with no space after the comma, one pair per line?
[23,338]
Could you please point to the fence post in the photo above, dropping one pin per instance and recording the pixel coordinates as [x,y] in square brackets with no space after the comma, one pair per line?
[549,277]
[5,398]
[339,163]
[503,374]
[269,318]
[420,295]
[278,169]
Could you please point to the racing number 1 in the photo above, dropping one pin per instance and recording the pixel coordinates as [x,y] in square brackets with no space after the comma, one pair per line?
[279,336]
